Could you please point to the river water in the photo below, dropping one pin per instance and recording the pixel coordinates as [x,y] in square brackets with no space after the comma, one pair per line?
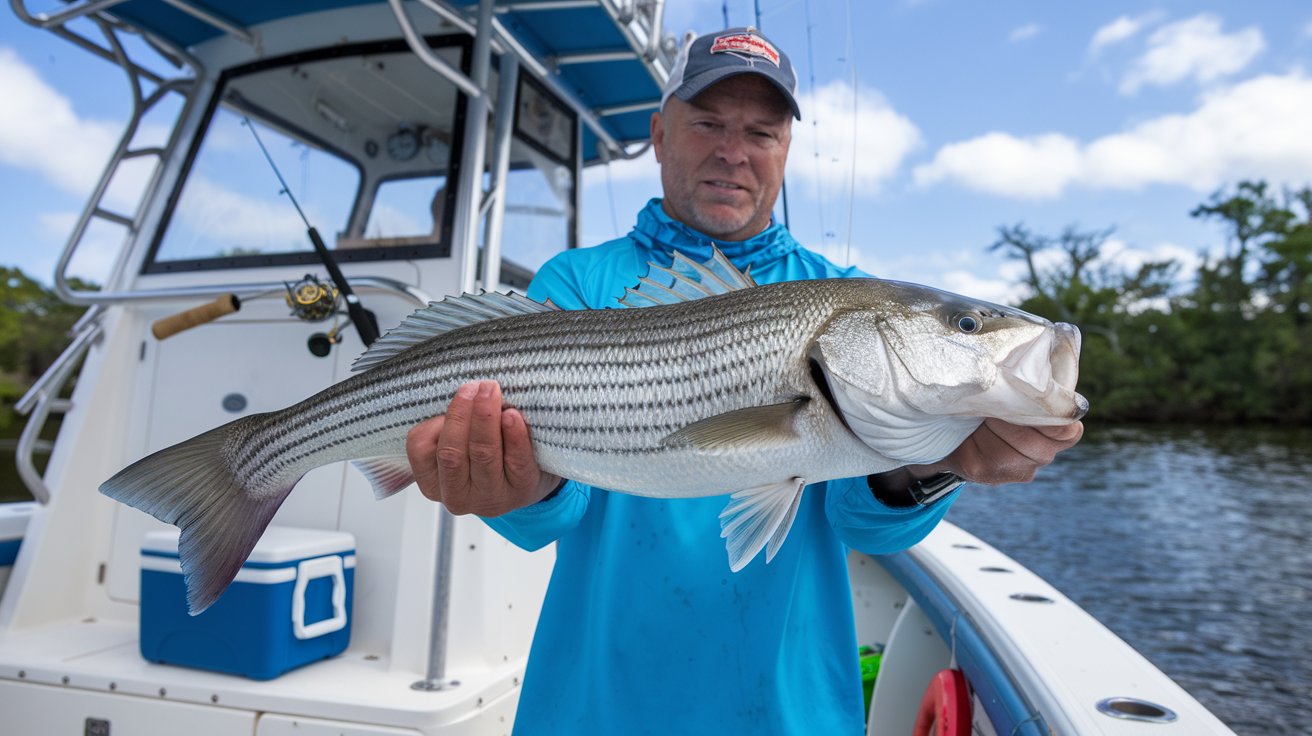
[1192,545]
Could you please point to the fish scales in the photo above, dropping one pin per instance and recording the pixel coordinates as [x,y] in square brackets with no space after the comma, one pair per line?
[714,390]
[675,384]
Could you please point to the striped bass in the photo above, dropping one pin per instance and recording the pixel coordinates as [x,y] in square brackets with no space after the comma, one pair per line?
[715,386]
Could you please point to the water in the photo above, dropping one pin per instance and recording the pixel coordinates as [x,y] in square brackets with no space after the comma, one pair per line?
[1191,545]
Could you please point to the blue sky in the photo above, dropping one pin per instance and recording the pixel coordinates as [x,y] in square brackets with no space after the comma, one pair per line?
[967,116]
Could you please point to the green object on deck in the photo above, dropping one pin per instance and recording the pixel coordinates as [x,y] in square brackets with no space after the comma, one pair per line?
[870,659]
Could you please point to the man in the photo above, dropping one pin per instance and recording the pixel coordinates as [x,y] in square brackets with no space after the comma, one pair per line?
[644,628]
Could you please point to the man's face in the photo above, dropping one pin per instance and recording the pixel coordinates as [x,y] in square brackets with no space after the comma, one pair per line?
[722,156]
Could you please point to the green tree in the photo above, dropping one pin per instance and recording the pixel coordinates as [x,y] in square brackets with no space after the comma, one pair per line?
[34,324]
[1123,368]
[34,327]
[1256,296]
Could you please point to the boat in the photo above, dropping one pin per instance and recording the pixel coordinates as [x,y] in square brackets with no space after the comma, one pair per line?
[300,174]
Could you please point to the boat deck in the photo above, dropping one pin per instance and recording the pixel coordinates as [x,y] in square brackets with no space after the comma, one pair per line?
[103,657]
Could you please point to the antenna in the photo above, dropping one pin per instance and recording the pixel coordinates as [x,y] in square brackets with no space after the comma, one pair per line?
[784,184]
[851,181]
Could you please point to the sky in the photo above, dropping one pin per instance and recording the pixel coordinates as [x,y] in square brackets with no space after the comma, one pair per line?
[927,125]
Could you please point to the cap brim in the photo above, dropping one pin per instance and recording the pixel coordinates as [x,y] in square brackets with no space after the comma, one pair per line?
[695,86]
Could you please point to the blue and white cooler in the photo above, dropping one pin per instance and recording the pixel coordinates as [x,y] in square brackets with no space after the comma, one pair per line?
[289,605]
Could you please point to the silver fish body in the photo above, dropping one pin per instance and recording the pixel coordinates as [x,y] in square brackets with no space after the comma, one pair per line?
[756,390]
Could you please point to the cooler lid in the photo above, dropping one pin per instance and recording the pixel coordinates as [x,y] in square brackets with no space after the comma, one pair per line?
[279,543]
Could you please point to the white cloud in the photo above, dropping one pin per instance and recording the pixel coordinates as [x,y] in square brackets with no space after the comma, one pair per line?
[971,284]
[1195,48]
[96,253]
[40,131]
[209,213]
[1125,256]
[823,150]
[838,132]
[1000,163]
[1254,129]
[1027,31]
[1121,29]
[969,272]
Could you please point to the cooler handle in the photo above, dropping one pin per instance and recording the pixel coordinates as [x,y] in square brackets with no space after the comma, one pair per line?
[307,570]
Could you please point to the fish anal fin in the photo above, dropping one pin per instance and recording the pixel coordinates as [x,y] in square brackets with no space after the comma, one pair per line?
[751,428]
[387,475]
[759,518]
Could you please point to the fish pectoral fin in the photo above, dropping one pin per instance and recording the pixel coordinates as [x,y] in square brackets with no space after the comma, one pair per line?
[758,518]
[751,428]
[387,474]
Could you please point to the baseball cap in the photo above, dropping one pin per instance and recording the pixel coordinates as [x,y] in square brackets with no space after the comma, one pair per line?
[728,53]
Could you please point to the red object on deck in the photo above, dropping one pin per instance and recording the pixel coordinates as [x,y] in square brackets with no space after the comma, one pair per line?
[945,709]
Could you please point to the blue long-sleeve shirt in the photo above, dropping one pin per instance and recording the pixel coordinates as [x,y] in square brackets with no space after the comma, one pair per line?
[644,628]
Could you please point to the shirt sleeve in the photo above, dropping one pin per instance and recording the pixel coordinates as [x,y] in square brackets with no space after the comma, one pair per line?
[865,524]
[556,280]
[535,526]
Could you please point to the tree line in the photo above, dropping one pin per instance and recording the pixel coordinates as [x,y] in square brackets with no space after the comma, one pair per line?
[34,329]
[1230,343]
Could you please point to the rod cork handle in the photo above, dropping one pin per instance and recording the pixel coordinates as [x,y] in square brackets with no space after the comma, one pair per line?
[194,317]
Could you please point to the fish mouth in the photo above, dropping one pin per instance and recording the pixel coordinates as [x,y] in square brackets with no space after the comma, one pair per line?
[1046,371]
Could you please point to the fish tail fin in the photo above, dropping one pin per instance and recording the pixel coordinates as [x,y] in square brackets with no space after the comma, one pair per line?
[192,485]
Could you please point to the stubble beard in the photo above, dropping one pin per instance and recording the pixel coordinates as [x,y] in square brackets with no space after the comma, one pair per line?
[698,214]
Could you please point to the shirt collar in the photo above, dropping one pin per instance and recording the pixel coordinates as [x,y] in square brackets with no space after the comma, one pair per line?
[659,232]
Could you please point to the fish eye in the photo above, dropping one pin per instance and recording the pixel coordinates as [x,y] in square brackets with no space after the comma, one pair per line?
[967,322]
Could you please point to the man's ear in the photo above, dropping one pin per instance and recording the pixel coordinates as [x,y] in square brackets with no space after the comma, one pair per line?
[657,134]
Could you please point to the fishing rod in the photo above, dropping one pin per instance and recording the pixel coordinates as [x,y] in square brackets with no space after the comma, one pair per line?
[364,320]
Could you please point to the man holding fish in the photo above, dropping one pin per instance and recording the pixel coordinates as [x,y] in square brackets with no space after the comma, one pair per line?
[645,627]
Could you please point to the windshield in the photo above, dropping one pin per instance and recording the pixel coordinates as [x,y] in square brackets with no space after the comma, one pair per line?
[339,130]
[366,140]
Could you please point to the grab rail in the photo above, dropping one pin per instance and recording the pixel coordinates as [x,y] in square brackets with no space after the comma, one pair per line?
[42,399]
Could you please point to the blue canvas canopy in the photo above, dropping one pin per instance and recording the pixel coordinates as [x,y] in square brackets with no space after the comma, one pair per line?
[583,42]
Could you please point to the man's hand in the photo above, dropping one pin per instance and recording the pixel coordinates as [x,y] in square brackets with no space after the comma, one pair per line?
[477,458]
[999,452]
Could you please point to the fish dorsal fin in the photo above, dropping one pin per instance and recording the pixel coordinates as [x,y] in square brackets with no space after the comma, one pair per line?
[449,314]
[741,429]
[686,280]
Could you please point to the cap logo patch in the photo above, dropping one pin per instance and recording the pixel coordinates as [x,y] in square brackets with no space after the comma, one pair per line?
[746,43]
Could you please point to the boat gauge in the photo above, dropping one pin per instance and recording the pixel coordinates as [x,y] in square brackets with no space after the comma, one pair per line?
[403,144]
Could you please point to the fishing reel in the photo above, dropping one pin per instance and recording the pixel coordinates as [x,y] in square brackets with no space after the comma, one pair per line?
[312,300]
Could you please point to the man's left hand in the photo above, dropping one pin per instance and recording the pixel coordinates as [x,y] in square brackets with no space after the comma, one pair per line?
[999,452]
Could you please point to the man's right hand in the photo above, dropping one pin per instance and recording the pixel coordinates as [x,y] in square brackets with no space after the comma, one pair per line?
[477,458]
